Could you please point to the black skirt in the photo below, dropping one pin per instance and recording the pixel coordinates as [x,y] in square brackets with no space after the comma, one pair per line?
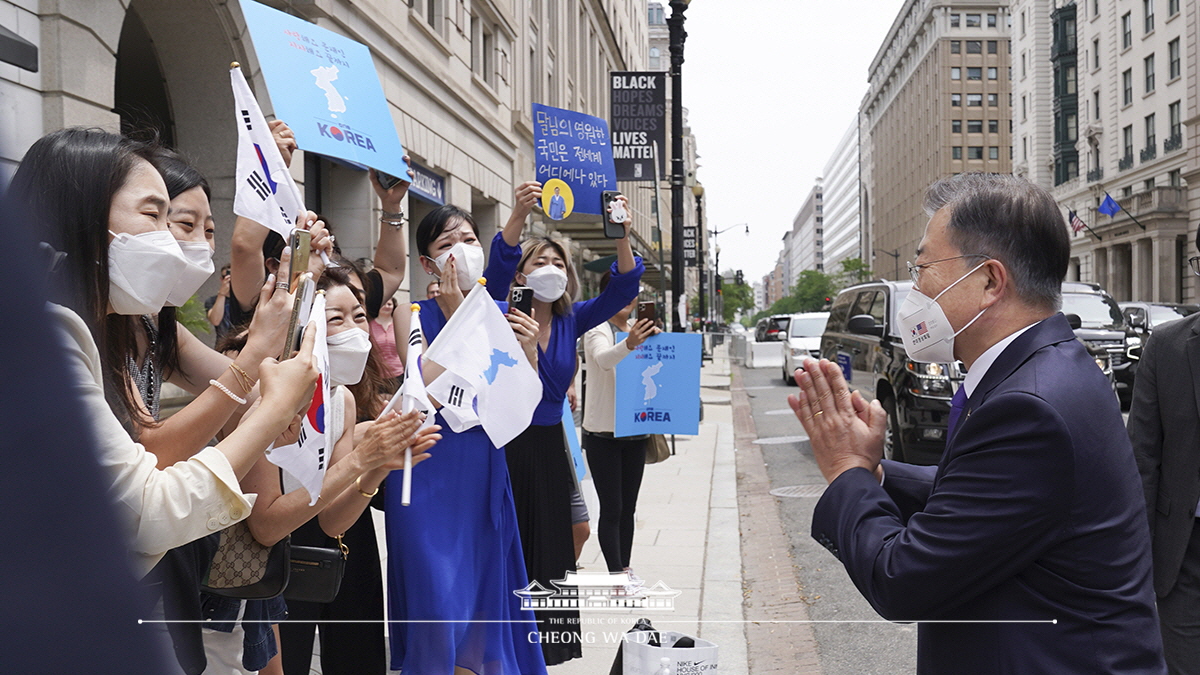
[541,483]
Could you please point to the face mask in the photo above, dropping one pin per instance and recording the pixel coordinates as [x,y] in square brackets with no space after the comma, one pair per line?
[142,271]
[548,283]
[924,328]
[199,269]
[348,352]
[468,260]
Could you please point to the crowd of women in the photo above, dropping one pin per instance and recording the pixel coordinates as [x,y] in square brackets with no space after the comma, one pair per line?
[128,232]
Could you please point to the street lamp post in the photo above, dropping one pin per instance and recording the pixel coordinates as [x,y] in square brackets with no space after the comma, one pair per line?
[705,285]
[677,36]
[895,256]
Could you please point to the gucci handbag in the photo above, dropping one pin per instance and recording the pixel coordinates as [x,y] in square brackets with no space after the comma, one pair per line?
[245,569]
[316,572]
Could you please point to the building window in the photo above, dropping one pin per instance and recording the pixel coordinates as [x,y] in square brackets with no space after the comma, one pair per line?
[1127,30]
[433,14]
[1175,178]
[956,152]
[1024,69]
[975,152]
[974,73]
[1024,109]
[1025,148]
[1096,54]
[1148,184]
[1022,24]
[1174,119]
[974,47]
[974,100]
[1095,8]
[1070,81]
[994,152]
[992,46]
[956,73]
[1072,127]
[993,73]
[956,126]
[1151,137]
[954,21]
[1173,58]
[991,20]
[973,21]
[993,126]
[655,56]
[993,100]
[1148,12]
[1127,137]
[1127,87]
[974,126]
[956,100]
[955,46]
[1149,65]
[1096,103]
[1172,7]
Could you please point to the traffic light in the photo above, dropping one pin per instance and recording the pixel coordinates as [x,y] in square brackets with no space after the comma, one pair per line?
[739,278]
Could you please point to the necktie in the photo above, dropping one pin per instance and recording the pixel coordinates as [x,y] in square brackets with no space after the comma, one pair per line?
[956,408]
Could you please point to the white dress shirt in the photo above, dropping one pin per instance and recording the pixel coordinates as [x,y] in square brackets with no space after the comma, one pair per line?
[987,358]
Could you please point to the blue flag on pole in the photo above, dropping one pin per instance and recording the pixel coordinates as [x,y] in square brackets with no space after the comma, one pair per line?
[1109,206]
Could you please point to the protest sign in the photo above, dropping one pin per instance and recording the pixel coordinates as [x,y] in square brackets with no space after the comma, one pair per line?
[572,150]
[325,87]
[658,386]
[638,117]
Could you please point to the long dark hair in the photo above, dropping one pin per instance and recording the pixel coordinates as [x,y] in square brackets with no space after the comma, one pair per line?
[65,186]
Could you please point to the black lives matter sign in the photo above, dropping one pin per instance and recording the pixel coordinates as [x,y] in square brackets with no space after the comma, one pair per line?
[639,115]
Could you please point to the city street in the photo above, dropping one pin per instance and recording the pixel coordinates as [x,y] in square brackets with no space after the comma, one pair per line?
[866,644]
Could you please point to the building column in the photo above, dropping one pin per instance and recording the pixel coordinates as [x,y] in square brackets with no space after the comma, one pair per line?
[79,62]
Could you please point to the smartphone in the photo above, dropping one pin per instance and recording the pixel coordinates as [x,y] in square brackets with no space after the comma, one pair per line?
[614,221]
[521,297]
[300,245]
[386,180]
[647,310]
[298,320]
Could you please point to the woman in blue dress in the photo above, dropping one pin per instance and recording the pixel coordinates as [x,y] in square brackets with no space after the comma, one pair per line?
[454,554]
[537,459]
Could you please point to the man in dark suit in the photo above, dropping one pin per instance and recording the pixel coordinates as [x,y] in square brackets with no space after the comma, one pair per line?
[1026,549]
[1164,425]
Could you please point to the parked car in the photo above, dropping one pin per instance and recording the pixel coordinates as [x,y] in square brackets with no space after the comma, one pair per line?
[862,336]
[803,339]
[1102,328]
[772,328]
[1143,317]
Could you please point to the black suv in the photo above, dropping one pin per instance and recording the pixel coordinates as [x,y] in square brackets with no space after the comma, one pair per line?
[1102,328]
[862,337]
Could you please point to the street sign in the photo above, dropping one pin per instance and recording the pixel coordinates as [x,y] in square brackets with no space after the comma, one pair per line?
[691,257]
[638,118]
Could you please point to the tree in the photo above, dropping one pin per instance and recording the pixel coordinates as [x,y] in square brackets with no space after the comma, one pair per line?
[854,271]
[736,297]
[813,290]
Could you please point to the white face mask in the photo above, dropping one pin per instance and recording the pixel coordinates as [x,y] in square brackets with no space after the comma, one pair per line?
[924,328]
[348,352]
[468,261]
[199,269]
[548,283]
[142,271]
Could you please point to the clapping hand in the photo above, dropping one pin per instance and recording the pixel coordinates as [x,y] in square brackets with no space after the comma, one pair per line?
[845,432]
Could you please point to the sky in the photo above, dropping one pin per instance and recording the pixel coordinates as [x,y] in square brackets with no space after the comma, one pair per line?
[771,86]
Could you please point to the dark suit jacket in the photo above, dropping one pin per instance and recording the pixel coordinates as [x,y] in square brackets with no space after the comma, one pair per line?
[1034,514]
[1164,425]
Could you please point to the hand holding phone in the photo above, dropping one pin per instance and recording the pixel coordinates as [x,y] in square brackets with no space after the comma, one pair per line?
[615,214]
[647,310]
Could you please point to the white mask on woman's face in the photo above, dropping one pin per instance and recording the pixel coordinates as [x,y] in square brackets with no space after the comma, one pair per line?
[142,271]
[348,351]
[548,283]
[468,261]
[199,269]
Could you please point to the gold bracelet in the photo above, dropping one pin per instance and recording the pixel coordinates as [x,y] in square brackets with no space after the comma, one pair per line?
[368,495]
[243,378]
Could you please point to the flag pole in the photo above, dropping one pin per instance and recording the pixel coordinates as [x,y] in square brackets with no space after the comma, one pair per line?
[1127,212]
[407,405]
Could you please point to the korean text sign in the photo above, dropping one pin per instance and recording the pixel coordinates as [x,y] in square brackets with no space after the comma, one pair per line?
[574,148]
[325,87]
[658,386]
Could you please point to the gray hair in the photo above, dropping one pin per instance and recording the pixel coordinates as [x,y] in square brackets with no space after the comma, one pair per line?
[1013,221]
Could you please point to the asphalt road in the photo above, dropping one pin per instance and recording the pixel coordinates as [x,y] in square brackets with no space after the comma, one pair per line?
[866,645]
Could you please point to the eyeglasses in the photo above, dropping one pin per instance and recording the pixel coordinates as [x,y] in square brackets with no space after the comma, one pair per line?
[914,271]
[1194,261]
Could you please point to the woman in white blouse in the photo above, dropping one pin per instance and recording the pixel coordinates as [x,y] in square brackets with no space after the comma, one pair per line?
[94,197]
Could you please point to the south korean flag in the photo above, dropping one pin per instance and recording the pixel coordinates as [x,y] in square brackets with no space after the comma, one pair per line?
[265,191]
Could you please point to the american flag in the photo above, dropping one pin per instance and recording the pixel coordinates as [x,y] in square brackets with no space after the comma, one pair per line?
[1077,223]
[920,329]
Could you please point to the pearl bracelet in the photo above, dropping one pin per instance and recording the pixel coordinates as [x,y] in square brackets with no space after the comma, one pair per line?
[236,399]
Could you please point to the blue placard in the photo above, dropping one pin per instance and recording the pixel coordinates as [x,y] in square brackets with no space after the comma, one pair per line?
[658,386]
[574,148]
[572,434]
[325,87]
